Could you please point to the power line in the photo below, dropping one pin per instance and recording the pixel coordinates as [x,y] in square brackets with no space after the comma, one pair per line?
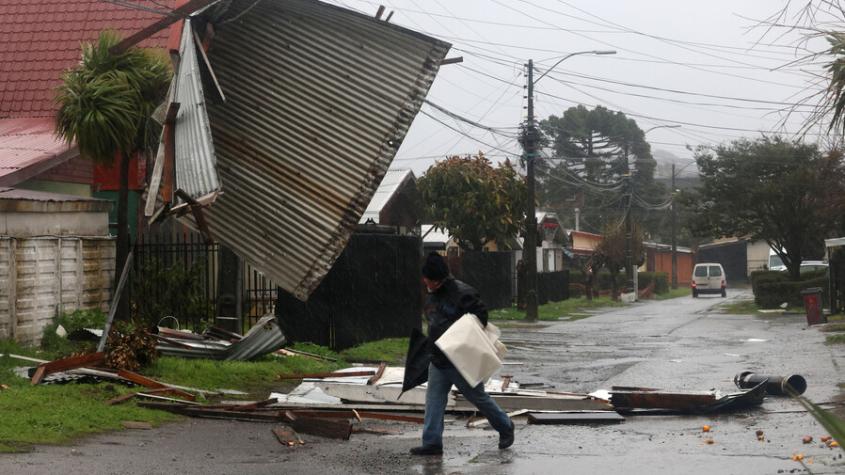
[678,63]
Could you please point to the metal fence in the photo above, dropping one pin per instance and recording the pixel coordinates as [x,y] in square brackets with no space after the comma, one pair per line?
[176,274]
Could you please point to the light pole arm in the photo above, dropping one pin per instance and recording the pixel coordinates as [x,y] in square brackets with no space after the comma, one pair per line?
[569,56]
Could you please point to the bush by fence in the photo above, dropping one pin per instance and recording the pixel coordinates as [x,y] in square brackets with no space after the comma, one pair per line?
[602,283]
[772,288]
[552,286]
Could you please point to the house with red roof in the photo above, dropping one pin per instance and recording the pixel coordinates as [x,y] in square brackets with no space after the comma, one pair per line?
[39,41]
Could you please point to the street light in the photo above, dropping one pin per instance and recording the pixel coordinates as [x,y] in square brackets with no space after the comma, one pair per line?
[529,143]
[662,127]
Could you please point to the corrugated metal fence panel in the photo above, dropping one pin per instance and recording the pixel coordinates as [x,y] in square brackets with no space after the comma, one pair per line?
[5,282]
[318,100]
[196,171]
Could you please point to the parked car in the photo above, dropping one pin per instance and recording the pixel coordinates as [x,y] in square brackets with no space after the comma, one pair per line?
[776,264]
[708,278]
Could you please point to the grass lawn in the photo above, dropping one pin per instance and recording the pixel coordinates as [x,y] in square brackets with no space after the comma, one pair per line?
[571,309]
[835,339]
[740,307]
[52,414]
[674,293]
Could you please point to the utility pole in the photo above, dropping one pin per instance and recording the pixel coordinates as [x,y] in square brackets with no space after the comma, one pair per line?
[529,248]
[530,145]
[674,233]
[629,232]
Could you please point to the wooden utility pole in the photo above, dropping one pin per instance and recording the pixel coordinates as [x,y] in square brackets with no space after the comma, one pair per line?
[529,248]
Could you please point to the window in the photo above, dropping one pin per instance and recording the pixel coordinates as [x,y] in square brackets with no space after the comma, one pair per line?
[715,271]
[701,271]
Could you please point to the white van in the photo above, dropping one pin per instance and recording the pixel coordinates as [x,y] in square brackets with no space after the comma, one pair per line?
[708,278]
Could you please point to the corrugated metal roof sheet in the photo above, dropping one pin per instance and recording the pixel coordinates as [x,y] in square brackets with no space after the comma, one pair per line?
[195,164]
[318,100]
[26,143]
[393,179]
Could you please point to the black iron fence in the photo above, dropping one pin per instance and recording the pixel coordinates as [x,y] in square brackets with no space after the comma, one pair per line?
[177,274]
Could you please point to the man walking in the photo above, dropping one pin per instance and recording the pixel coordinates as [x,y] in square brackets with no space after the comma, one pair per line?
[448,300]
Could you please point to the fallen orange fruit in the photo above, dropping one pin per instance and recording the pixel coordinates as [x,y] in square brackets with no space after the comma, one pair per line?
[807,439]
[705,428]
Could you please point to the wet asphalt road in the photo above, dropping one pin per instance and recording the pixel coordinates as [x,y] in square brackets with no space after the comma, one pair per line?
[683,344]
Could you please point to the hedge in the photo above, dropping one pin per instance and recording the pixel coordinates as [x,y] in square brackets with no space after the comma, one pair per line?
[772,293]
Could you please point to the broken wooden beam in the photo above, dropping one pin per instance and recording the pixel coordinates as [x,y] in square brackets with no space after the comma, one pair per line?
[574,417]
[329,428]
[624,400]
[379,373]
[203,412]
[174,15]
[153,384]
[65,364]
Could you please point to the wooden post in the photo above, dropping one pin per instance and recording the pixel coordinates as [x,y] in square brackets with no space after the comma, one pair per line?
[13,288]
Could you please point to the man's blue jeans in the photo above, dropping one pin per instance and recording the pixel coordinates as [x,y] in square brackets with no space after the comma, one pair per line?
[440,381]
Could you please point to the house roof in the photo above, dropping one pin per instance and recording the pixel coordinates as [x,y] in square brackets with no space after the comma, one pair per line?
[390,184]
[18,200]
[40,39]
[29,147]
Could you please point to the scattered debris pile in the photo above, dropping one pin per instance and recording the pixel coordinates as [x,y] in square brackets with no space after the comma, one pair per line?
[219,344]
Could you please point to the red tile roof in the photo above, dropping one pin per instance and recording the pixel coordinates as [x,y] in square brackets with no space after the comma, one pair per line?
[29,146]
[40,39]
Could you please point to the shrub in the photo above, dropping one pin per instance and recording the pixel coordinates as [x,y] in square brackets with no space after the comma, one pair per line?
[660,280]
[71,322]
[766,277]
[773,294]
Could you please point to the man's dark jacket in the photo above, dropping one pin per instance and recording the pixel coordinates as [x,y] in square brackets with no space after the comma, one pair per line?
[445,306]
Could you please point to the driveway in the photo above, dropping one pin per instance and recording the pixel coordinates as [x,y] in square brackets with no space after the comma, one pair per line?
[684,344]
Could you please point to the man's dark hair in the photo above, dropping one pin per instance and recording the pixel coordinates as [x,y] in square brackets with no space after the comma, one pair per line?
[435,267]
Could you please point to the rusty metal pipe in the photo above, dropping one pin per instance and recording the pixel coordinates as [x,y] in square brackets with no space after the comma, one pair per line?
[775,385]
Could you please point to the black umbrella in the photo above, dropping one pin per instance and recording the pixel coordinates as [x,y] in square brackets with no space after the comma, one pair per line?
[416,362]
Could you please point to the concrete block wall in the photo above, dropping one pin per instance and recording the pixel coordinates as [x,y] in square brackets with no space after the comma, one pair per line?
[42,277]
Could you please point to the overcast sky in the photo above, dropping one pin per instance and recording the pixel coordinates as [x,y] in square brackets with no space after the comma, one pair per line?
[705,49]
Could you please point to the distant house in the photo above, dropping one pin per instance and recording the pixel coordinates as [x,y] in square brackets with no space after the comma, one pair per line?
[738,255]
[584,244]
[659,259]
[395,203]
[39,41]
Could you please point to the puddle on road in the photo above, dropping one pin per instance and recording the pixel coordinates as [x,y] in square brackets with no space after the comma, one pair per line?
[756,340]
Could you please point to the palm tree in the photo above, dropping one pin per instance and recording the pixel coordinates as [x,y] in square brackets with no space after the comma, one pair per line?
[105,107]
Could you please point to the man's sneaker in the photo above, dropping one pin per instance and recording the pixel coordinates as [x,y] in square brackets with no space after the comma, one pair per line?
[429,450]
[506,438]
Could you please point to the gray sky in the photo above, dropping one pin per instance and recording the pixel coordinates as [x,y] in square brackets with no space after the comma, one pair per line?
[702,48]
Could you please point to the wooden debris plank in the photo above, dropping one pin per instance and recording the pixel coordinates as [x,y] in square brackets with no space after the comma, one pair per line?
[390,417]
[287,436]
[379,373]
[146,392]
[136,425]
[515,403]
[332,374]
[574,417]
[151,383]
[199,411]
[377,430]
[661,400]
[64,364]
[329,428]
